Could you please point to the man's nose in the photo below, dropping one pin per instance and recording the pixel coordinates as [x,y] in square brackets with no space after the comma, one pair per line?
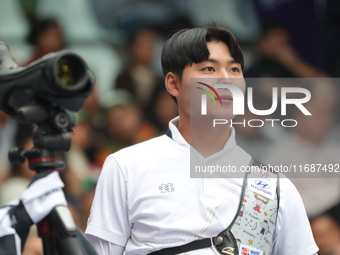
[224,78]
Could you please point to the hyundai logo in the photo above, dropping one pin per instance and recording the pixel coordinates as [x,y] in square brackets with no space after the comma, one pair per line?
[262,184]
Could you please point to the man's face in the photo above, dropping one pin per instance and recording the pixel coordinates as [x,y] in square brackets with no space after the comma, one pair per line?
[220,68]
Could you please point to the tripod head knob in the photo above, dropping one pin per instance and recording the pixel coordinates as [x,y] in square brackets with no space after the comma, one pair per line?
[16,156]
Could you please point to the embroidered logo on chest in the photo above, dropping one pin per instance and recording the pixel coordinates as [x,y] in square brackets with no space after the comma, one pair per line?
[166,188]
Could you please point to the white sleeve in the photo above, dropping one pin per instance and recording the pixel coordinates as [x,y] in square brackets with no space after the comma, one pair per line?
[108,218]
[104,247]
[293,234]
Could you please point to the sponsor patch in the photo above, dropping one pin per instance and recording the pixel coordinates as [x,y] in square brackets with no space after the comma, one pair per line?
[248,250]
[265,187]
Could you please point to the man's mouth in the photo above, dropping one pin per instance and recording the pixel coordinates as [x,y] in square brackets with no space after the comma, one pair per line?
[226,98]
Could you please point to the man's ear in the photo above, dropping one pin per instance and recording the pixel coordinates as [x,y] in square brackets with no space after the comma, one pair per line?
[172,83]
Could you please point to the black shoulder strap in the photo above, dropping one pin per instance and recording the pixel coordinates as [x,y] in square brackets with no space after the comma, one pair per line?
[195,245]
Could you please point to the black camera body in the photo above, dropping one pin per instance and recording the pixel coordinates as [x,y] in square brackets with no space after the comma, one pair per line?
[61,78]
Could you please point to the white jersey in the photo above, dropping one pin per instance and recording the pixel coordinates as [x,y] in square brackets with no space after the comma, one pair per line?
[146,201]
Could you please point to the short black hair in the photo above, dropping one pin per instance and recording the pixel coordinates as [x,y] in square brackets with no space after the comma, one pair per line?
[189,46]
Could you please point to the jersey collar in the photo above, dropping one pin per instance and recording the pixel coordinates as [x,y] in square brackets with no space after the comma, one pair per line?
[175,135]
[173,132]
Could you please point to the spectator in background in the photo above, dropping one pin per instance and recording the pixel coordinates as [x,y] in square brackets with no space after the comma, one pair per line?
[93,116]
[87,138]
[125,125]
[81,158]
[326,231]
[81,155]
[302,21]
[138,78]
[161,109]
[45,36]
[278,58]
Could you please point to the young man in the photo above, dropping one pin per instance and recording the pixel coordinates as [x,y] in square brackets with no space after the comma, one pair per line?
[145,200]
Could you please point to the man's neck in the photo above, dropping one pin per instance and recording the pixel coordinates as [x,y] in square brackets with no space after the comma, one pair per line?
[203,137]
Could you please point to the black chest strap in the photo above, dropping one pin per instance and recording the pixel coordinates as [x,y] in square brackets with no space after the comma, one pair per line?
[195,245]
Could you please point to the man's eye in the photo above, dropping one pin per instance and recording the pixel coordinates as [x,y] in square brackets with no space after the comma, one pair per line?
[209,69]
[235,70]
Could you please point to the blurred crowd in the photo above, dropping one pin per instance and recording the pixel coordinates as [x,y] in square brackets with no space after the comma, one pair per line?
[121,42]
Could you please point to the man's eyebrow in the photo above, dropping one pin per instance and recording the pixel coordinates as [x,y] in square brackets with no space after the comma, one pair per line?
[212,60]
[233,61]
[215,61]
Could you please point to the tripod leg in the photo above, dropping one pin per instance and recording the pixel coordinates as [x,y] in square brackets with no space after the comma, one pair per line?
[47,234]
[48,245]
[66,231]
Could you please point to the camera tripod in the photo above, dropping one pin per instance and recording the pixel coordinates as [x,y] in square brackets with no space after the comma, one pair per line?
[58,231]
